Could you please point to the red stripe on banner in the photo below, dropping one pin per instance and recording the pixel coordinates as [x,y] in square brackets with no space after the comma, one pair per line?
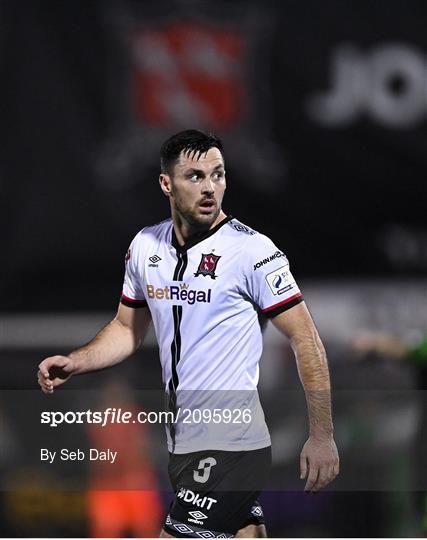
[283,302]
[132,300]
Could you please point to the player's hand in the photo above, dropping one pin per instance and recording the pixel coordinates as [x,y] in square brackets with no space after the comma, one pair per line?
[54,371]
[319,462]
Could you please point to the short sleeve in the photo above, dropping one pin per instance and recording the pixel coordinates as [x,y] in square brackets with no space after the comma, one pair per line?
[132,292]
[268,279]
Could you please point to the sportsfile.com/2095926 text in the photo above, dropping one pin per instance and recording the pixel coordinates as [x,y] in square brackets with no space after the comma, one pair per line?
[111,415]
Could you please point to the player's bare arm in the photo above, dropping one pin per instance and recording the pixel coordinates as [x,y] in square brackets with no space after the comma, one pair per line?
[319,461]
[118,340]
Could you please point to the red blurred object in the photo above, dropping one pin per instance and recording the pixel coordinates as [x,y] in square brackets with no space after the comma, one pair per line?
[123,497]
[186,73]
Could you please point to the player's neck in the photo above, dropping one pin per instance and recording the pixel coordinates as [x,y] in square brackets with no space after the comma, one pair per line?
[184,231]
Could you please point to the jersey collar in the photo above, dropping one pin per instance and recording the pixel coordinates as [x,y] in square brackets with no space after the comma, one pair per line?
[197,238]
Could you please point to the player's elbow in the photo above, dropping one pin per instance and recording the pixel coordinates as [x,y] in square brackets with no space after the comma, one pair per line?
[127,333]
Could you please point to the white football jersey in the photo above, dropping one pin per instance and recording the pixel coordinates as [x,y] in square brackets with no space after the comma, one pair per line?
[205,299]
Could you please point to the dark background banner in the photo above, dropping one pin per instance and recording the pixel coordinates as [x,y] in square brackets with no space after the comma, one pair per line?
[322,107]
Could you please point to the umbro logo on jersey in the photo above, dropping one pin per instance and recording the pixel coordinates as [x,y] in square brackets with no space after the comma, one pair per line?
[183,293]
[243,229]
[154,260]
[208,265]
[268,259]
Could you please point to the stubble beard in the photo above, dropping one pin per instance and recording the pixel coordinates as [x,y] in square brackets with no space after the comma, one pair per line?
[198,223]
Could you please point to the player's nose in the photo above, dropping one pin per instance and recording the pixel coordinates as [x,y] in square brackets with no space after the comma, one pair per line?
[208,187]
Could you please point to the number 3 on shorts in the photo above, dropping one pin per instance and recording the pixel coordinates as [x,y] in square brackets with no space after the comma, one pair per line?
[203,471]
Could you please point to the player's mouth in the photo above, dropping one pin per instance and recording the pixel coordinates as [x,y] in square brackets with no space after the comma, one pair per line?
[207,206]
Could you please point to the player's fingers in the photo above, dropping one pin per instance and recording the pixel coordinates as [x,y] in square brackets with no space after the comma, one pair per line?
[303,466]
[45,384]
[45,366]
[46,389]
[42,379]
[337,466]
[57,382]
[59,361]
[331,473]
[313,472]
[44,372]
[326,477]
[322,478]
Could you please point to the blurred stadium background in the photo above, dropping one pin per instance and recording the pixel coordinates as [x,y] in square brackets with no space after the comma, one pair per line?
[322,106]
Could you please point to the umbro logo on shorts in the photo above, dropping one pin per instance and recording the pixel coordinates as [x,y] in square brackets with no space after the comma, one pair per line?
[197,514]
[182,528]
[256,511]
[203,471]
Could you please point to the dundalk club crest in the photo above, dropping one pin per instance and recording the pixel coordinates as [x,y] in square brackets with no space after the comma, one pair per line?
[208,265]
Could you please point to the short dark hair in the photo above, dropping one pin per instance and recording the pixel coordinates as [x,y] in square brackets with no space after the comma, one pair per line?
[188,141]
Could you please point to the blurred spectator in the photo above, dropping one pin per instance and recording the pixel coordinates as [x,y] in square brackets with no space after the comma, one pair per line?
[388,346]
[123,498]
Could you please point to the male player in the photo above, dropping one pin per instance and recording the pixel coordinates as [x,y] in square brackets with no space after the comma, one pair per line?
[204,278]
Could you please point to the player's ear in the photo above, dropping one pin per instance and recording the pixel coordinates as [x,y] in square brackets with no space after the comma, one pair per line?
[165,184]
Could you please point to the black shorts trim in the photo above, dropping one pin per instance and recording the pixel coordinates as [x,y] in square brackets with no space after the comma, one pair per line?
[182,530]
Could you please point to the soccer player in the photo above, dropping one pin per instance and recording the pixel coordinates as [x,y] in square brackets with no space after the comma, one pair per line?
[203,278]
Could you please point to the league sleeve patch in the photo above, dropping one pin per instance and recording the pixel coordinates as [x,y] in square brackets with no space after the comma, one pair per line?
[280,281]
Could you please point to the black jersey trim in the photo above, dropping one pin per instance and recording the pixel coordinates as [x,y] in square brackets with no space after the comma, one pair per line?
[178,275]
[282,306]
[198,238]
[176,343]
[176,357]
[181,266]
[130,302]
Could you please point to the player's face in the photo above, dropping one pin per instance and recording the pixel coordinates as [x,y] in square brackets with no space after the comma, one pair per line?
[197,188]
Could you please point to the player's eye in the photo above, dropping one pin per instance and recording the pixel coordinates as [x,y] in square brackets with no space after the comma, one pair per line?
[218,175]
[193,177]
